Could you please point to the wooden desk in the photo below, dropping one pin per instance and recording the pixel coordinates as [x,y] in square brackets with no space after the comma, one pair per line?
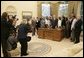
[52,34]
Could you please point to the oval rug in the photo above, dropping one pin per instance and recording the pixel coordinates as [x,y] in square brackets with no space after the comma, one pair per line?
[38,48]
[34,49]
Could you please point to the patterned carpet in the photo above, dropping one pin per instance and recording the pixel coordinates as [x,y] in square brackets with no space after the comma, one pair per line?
[44,48]
[34,49]
[37,48]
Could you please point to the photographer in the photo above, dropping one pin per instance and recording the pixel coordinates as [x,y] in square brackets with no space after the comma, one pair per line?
[6,27]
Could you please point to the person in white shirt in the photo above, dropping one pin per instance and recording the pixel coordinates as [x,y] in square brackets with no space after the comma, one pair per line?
[73,29]
[73,23]
[47,22]
[54,17]
[59,22]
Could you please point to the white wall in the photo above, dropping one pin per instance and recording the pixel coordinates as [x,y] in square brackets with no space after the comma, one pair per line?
[20,6]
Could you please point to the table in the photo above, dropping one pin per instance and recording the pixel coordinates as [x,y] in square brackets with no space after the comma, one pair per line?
[52,34]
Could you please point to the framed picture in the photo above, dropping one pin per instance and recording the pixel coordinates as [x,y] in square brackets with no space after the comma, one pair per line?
[26,15]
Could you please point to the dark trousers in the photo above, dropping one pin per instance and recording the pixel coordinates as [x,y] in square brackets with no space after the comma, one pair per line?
[64,32]
[77,37]
[67,33]
[33,31]
[53,27]
[73,35]
[23,43]
[37,27]
[5,46]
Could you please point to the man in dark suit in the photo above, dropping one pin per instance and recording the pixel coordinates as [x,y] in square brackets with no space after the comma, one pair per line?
[63,24]
[63,21]
[23,29]
[37,23]
[6,27]
[33,25]
[78,25]
[67,28]
[54,22]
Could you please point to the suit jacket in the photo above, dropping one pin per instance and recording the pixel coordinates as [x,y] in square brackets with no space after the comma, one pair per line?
[38,23]
[78,25]
[42,22]
[54,22]
[68,25]
[33,24]
[6,27]
[63,22]
[22,31]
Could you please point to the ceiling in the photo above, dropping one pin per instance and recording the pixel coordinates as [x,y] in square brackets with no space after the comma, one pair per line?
[53,1]
[49,1]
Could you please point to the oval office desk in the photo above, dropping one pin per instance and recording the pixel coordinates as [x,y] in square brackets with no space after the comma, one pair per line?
[52,34]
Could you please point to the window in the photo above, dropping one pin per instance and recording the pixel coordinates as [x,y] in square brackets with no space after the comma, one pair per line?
[63,9]
[45,10]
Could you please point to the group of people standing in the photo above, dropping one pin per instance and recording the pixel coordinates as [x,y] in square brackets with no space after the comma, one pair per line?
[71,26]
